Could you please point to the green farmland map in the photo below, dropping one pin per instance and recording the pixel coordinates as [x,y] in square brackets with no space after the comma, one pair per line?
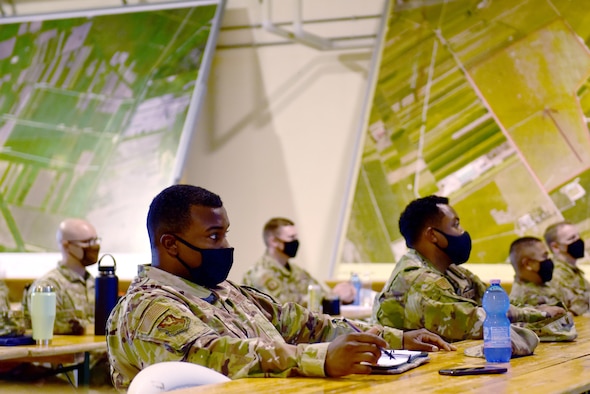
[92,109]
[487,103]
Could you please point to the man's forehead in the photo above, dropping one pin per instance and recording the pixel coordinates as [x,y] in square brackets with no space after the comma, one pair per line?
[209,217]
[76,230]
[447,211]
[287,231]
[538,248]
[566,231]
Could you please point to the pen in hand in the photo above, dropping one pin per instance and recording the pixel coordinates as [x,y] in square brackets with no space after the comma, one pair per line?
[387,352]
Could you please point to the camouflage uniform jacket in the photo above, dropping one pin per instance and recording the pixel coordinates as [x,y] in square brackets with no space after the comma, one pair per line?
[417,295]
[284,285]
[570,282]
[4,299]
[8,324]
[528,293]
[74,299]
[231,329]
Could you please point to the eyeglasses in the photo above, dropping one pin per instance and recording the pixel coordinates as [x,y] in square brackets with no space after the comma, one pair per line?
[87,242]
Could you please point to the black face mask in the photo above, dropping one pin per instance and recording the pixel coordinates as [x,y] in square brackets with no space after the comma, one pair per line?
[458,248]
[215,264]
[576,249]
[290,248]
[546,270]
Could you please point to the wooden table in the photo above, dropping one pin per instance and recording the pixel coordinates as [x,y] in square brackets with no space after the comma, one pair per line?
[560,367]
[64,349]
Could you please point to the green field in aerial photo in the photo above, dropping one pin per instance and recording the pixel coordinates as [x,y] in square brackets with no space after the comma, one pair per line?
[486,103]
[92,110]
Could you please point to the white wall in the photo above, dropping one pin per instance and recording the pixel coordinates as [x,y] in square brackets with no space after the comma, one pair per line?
[276,139]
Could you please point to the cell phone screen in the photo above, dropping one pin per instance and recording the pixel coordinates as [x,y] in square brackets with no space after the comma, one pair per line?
[487,369]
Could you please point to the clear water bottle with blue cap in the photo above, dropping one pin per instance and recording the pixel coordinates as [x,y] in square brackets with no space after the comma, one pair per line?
[497,347]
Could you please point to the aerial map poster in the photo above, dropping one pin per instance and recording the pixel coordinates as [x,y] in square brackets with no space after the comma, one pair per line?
[485,102]
[93,109]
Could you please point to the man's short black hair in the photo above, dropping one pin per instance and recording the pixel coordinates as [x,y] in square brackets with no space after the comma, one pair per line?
[170,210]
[518,248]
[419,214]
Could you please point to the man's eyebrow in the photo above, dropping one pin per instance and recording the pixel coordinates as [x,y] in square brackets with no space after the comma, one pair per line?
[215,228]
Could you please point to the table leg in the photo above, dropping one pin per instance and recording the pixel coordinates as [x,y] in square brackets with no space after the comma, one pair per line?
[84,371]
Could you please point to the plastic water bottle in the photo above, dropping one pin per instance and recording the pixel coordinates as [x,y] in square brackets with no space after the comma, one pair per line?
[356,283]
[497,347]
[106,286]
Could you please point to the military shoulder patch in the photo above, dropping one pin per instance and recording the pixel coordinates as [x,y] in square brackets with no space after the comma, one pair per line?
[443,283]
[173,325]
[272,284]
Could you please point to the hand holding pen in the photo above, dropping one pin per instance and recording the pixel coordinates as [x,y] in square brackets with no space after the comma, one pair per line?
[351,325]
[354,352]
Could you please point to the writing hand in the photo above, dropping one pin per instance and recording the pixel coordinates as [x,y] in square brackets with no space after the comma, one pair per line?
[346,352]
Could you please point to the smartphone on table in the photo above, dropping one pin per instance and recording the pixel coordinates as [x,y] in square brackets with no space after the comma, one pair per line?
[485,369]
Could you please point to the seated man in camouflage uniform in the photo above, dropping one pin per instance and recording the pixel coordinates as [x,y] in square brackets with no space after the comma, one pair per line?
[533,270]
[74,289]
[428,287]
[73,284]
[274,274]
[182,308]
[568,279]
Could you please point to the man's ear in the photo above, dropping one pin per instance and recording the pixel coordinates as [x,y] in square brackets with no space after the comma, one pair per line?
[431,235]
[169,243]
[526,263]
[273,241]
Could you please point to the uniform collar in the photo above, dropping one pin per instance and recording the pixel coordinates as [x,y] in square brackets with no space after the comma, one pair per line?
[71,275]
[180,284]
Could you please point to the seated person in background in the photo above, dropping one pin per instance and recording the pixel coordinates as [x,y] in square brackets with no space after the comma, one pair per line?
[533,270]
[9,324]
[568,280]
[74,290]
[428,287]
[74,286]
[182,308]
[274,274]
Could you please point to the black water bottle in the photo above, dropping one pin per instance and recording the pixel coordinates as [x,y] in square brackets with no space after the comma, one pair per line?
[107,292]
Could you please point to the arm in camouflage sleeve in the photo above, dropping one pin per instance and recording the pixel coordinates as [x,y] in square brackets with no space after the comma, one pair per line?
[147,342]
[572,291]
[434,306]
[576,301]
[4,300]
[298,325]
[527,314]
